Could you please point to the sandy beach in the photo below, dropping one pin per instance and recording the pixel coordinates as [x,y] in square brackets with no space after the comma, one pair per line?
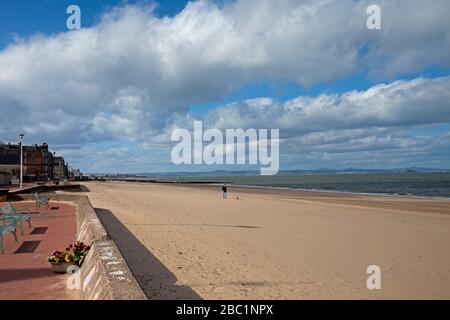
[186,242]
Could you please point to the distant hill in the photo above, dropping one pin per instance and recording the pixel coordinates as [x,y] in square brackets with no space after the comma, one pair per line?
[224,173]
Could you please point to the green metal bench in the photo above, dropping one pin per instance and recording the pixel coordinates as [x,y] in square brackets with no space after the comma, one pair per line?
[7,225]
[19,215]
[42,199]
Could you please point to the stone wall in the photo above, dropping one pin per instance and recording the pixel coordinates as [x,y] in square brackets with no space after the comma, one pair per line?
[105,275]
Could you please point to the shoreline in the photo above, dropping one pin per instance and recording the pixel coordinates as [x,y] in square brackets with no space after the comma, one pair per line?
[402,203]
[200,184]
[407,196]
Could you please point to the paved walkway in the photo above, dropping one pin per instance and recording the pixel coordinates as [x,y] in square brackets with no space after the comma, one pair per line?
[27,275]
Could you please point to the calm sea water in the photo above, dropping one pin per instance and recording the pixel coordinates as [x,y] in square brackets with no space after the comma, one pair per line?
[435,184]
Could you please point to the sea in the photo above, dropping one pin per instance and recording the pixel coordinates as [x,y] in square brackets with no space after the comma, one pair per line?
[424,184]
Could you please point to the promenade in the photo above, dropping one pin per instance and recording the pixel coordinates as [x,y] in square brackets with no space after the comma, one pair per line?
[24,270]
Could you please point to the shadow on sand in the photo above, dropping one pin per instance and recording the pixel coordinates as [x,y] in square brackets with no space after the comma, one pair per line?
[199,225]
[155,279]
[81,188]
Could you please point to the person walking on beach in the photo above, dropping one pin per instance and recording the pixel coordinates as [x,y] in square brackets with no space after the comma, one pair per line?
[224,190]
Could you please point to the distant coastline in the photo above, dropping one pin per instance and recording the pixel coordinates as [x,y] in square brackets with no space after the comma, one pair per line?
[322,171]
[405,184]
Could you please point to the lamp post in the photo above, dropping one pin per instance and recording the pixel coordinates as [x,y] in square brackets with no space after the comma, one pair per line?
[21,159]
[53,167]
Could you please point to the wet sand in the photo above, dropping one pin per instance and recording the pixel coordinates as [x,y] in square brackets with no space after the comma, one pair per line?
[186,242]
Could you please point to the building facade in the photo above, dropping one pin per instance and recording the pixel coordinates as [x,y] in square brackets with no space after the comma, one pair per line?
[75,174]
[5,178]
[59,168]
[10,160]
[39,164]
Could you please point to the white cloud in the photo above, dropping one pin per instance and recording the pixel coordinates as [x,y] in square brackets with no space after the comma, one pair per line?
[134,75]
[401,103]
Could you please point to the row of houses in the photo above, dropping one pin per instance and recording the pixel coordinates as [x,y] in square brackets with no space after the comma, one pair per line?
[39,164]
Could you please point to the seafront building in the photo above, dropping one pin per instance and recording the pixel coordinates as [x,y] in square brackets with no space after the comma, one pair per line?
[75,174]
[39,164]
[60,168]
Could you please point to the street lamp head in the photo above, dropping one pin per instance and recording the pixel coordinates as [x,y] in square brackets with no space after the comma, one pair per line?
[21,136]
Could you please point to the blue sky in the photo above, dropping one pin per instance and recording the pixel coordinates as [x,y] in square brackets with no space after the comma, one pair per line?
[26,17]
[213,62]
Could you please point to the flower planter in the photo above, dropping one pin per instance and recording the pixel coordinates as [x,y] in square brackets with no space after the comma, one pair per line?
[73,255]
[62,267]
